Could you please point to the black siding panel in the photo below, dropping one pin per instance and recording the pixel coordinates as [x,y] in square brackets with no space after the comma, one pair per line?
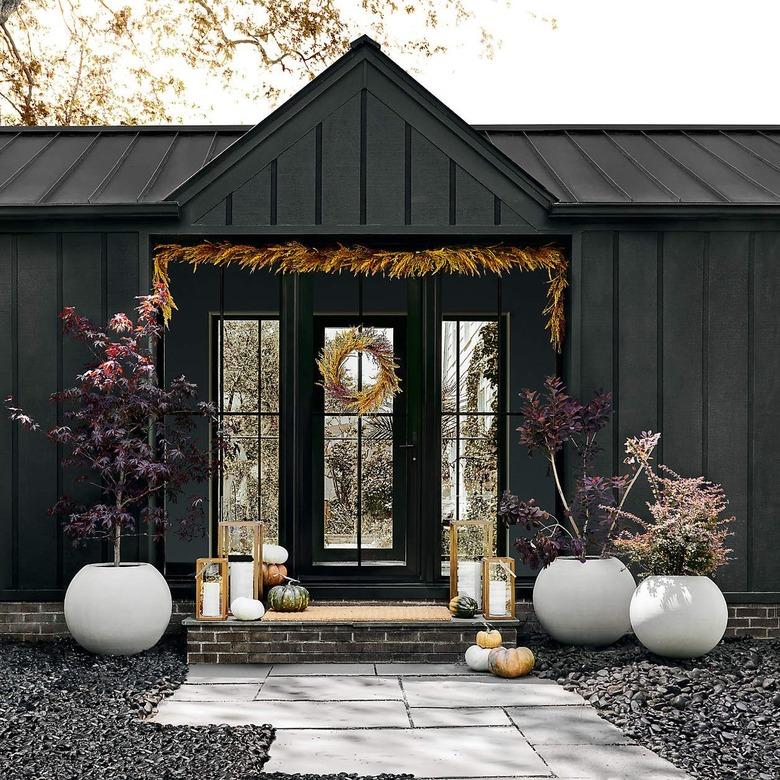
[214,216]
[765,353]
[430,183]
[252,200]
[682,344]
[341,165]
[597,332]
[385,157]
[37,471]
[83,284]
[637,340]
[727,388]
[296,179]
[474,202]
[7,387]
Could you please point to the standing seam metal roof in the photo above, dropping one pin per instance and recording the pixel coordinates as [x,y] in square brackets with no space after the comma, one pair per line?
[616,165]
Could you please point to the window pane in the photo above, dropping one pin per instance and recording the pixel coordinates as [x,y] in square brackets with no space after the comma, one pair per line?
[376,485]
[449,365]
[478,352]
[239,481]
[269,478]
[269,365]
[478,467]
[340,481]
[240,340]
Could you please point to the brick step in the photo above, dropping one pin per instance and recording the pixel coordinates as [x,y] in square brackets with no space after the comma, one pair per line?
[233,641]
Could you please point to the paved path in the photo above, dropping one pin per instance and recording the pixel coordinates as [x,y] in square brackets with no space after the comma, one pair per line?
[429,720]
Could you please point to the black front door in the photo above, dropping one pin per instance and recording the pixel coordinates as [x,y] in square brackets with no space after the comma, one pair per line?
[362,516]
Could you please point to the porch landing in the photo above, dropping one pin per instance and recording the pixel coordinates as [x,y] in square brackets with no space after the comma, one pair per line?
[335,640]
[431,721]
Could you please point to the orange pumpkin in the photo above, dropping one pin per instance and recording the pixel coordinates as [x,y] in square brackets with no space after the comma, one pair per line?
[511,661]
[274,574]
[489,638]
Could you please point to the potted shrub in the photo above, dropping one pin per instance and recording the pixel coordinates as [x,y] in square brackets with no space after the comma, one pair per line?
[581,595]
[132,440]
[677,610]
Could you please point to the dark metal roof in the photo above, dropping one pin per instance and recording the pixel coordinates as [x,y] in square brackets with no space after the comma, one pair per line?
[580,165]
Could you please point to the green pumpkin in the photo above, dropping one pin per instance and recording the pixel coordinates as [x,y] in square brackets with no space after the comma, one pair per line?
[463,607]
[290,597]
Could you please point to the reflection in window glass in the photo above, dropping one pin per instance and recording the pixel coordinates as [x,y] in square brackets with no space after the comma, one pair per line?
[469,424]
[248,373]
[358,475]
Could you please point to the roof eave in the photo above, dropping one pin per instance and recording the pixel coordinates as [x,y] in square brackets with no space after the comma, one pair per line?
[156,210]
[661,210]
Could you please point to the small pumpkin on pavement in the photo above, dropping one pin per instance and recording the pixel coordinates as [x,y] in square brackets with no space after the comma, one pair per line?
[290,597]
[489,638]
[477,658]
[511,661]
[463,607]
[274,574]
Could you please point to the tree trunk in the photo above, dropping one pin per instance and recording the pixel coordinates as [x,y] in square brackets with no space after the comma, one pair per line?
[117,543]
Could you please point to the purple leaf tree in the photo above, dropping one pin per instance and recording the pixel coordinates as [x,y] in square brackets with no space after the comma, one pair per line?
[126,435]
[553,420]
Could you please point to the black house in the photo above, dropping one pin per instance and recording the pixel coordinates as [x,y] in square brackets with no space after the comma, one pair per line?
[672,235]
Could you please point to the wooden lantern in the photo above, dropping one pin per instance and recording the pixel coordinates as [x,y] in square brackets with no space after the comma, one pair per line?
[211,589]
[498,578]
[470,542]
[244,538]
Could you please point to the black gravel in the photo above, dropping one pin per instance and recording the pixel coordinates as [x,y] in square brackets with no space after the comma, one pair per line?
[67,714]
[715,717]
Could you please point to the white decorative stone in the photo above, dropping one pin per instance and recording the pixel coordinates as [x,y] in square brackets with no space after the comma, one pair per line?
[244,608]
[117,610]
[477,658]
[678,617]
[584,603]
[274,553]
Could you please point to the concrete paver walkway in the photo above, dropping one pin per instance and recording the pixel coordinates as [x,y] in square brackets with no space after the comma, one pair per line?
[429,720]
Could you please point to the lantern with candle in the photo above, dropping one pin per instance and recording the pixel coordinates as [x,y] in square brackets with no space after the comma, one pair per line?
[470,542]
[241,542]
[211,589]
[498,577]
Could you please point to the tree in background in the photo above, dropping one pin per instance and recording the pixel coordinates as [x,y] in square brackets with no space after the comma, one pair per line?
[78,62]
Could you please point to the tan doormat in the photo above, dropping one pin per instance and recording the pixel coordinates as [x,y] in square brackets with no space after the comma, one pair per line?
[357,614]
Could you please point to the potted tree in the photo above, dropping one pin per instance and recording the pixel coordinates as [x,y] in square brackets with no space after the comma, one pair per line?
[581,595]
[132,440]
[677,610]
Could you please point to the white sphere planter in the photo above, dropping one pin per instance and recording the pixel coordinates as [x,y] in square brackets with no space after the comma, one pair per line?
[678,617]
[584,603]
[117,610]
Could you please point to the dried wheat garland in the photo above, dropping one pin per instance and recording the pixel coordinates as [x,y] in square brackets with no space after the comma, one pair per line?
[339,387]
[294,257]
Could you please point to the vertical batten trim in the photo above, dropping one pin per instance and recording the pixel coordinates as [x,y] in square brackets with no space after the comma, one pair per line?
[407,174]
[14,250]
[274,192]
[318,174]
[363,152]
[750,400]
[60,383]
[616,351]
[453,191]
[496,210]
[705,348]
[229,208]
[659,321]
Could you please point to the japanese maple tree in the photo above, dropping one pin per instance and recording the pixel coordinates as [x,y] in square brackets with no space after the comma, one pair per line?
[125,434]
[553,420]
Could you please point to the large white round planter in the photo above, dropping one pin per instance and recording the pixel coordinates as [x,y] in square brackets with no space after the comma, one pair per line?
[117,610]
[679,617]
[584,603]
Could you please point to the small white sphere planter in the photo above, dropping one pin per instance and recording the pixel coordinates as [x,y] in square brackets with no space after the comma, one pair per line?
[118,610]
[584,603]
[678,617]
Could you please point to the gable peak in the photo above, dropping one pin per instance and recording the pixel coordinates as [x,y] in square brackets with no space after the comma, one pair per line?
[365,40]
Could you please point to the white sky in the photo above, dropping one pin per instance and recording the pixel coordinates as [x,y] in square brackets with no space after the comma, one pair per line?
[608,61]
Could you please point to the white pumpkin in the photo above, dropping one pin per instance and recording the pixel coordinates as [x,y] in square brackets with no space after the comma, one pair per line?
[274,553]
[477,658]
[244,608]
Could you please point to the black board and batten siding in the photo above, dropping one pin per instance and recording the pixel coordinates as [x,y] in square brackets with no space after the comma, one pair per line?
[40,273]
[684,329]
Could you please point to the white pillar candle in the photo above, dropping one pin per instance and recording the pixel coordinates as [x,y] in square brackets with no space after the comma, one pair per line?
[498,597]
[242,580]
[210,604]
[470,580]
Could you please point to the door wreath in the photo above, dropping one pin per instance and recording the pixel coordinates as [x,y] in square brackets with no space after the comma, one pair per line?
[332,365]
